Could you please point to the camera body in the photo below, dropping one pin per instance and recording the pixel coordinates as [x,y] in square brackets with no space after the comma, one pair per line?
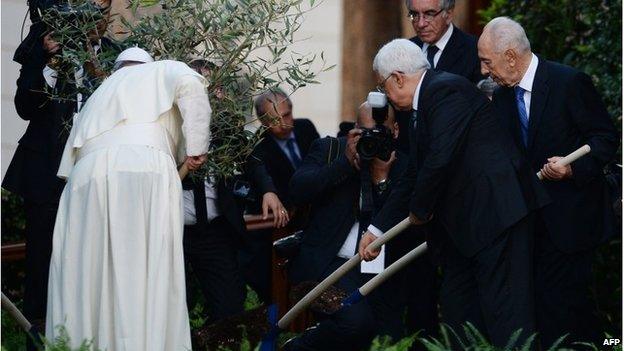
[376,142]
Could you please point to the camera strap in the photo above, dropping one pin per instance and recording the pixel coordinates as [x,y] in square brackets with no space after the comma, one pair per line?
[334,150]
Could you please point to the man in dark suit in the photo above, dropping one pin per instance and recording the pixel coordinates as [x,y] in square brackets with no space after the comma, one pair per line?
[214,229]
[447,47]
[334,184]
[32,171]
[286,141]
[468,179]
[551,110]
[285,144]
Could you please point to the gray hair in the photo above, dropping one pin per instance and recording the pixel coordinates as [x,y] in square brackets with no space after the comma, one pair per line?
[444,4]
[273,96]
[399,55]
[506,33]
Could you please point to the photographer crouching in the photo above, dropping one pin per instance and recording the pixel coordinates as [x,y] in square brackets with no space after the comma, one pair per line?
[346,180]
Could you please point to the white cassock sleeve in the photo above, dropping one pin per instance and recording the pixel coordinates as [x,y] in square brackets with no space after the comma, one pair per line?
[195,110]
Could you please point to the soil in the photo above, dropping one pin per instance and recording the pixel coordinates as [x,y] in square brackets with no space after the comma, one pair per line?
[229,333]
[328,303]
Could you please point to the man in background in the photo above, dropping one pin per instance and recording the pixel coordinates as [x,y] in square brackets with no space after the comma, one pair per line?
[446,47]
[284,145]
[214,227]
[287,139]
[32,171]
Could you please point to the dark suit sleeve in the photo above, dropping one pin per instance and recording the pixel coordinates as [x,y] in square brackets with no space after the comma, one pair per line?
[30,98]
[313,132]
[449,119]
[395,206]
[256,172]
[396,173]
[592,119]
[315,177]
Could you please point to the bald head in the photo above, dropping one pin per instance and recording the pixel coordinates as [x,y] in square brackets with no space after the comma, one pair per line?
[504,51]
[503,33]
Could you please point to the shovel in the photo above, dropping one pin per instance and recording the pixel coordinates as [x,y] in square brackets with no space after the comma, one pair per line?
[261,323]
[268,343]
[15,313]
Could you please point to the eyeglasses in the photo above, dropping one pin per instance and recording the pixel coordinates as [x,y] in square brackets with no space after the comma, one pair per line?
[380,86]
[428,16]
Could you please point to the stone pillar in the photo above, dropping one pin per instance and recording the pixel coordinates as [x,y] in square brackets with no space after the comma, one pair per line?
[367,25]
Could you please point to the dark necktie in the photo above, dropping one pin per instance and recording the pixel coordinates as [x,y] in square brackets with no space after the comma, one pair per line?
[296,160]
[522,114]
[431,51]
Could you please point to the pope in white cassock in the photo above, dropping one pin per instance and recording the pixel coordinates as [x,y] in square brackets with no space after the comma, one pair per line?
[117,270]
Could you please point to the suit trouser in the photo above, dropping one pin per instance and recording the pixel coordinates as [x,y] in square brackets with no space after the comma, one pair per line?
[255,262]
[493,290]
[563,300]
[211,253]
[407,302]
[39,231]
[352,328]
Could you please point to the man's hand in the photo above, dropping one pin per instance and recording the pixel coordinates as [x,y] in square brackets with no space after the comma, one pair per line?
[380,169]
[50,45]
[351,149]
[194,162]
[553,171]
[366,253]
[416,221]
[280,215]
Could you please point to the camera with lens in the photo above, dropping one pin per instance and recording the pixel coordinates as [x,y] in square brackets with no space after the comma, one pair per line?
[377,141]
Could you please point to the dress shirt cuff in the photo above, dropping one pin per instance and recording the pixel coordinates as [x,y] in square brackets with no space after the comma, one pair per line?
[375,231]
[49,74]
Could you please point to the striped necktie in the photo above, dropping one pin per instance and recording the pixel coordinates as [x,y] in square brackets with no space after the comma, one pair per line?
[522,114]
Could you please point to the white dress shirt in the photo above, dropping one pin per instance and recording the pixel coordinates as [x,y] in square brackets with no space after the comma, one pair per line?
[527,83]
[371,228]
[282,143]
[441,44]
[348,247]
[212,212]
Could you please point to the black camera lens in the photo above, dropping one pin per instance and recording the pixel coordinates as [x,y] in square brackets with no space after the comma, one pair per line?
[367,146]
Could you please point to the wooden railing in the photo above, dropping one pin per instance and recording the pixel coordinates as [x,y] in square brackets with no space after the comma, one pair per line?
[17,251]
[279,287]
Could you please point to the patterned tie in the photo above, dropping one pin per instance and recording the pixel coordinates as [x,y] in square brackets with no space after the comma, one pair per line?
[522,114]
[431,51]
[296,160]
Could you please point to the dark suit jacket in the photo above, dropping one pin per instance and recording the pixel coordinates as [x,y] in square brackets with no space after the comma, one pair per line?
[464,169]
[32,172]
[333,190]
[460,56]
[567,112]
[276,161]
[228,204]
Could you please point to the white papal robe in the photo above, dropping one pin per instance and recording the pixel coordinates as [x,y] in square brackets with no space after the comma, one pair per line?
[117,267]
